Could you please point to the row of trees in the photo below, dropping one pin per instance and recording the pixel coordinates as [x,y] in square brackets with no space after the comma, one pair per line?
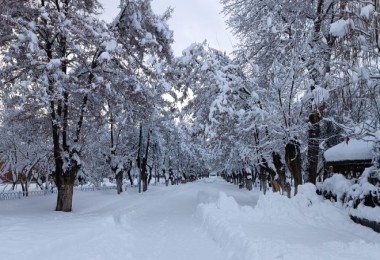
[314,66]
[76,91]
[83,98]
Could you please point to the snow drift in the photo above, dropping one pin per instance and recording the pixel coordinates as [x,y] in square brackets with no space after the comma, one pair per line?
[304,227]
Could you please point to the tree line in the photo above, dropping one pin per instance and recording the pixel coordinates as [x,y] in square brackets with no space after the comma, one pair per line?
[85,98]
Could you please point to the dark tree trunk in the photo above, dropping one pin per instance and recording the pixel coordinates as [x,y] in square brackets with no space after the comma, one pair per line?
[144,166]
[280,169]
[263,180]
[65,197]
[240,178]
[319,67]
[150,175]
[249,183]
[65,186]
[293,161]
[144,175]
[139,158]
[313,147]
[24,191]
[65,178]
[119,182]
[129,173]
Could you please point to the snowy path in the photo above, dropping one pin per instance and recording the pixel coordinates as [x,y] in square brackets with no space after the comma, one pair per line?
[166,228]
[159,224]
[192,221]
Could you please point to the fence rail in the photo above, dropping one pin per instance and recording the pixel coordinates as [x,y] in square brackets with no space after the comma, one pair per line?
[87,188]
[12,195]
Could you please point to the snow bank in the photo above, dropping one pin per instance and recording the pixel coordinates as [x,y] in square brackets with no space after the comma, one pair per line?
[304,227]
[371,214]
[361,197]
[337,185]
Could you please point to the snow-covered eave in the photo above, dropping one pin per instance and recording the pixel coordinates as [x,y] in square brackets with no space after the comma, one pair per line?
[352,151]
[364,162]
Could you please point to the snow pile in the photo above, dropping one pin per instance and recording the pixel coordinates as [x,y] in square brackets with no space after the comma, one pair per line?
[304,227]
[337,186]
[362,197]
[371,214]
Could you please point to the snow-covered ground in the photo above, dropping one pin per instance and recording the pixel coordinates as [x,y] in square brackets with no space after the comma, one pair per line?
[201,220]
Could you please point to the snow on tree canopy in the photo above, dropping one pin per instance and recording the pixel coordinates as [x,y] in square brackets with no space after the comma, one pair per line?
[352,150]
[320,95]
[366,11]
[377,135]
[340,27]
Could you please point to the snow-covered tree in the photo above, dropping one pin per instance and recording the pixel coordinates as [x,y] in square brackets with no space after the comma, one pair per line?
[55,59]
[309,60]
[215,100]
[146,40]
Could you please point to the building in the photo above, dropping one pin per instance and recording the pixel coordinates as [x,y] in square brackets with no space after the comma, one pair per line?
[350,157]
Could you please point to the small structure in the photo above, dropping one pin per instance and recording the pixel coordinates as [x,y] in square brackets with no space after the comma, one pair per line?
[350,157]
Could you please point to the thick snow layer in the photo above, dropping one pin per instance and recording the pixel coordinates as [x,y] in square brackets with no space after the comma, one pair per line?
[366,11]
[338,185]
[320,95]
[304,227]
[193,221]
[368,213]
[340,27]
[354,149]
[349,190]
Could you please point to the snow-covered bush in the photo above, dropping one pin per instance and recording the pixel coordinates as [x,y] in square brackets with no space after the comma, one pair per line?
[364,191]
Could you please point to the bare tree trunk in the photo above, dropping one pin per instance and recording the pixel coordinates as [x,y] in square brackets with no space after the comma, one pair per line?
[65,185]
[249,183]
[119,182]
[150,174]
[144,166]
[144,175]
[313,147]
[293,161]
[263,180]
[280,169]
[24,192]
[129,173]
[320,67]
[65,178]
[139,158]
[65,196]
[115,165]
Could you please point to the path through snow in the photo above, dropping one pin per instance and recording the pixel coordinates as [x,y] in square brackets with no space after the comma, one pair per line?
[202,220]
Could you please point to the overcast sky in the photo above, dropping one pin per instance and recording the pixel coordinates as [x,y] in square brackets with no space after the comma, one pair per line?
[192,21]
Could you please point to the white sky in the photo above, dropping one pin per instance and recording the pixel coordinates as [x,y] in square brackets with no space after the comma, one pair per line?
[192,21]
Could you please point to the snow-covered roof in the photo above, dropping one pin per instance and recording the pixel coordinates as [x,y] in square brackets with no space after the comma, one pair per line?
[353,150]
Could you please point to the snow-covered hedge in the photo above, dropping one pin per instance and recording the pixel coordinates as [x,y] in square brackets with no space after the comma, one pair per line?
[361,196]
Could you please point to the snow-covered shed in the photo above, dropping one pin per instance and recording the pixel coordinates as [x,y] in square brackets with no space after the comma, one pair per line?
[350,157]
